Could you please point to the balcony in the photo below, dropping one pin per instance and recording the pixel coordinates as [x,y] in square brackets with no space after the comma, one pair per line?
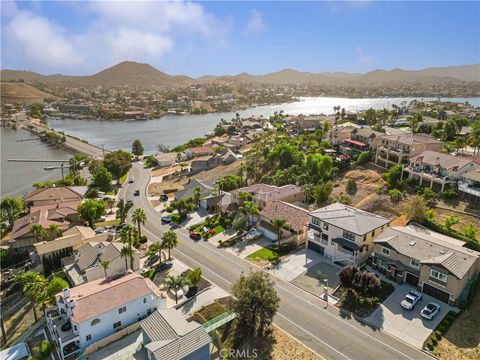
[464,187]
[431,175]
[312,237]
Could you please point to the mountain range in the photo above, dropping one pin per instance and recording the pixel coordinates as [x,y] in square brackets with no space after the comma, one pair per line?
[134,74]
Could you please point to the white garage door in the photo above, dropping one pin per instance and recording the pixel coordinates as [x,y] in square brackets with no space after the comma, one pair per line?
[269,234]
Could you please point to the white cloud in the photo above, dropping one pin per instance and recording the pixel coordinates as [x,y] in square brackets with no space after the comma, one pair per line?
[255,23]
[116,31]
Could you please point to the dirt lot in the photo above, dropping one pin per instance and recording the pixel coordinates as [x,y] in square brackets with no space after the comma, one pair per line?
[288,348]
[367,182]
[462,341]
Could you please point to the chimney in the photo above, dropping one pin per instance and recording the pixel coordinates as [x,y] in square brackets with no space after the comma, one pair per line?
[66,293]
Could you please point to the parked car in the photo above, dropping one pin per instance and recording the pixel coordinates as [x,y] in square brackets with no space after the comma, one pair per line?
[164,266]
[131,180]
[136,193]
[164,197]
[253,234]
[411,299]
[195,235]
[166,219]
[151,260]
[429,311]
[121,226]
[101,230]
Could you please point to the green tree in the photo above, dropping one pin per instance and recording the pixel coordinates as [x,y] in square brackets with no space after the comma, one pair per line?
[194,276]
[395,195]
[102,179]
[174,283]
[415,209]
[256,305]
[55,286]
[474,137]
[239,223]
[10,209]
[129,236]
[393,177]
[414,120]
[156,248]
[450,130]
[139,217]
[364,157]
[105,265]
[118,163]
[137,147]
[351,187]
[91,211]
[470,232]
[39,232]
[279,223]
[126,253]
[33,287]
[55,230]
[169,241]
[321,192]
[122,210]
[450,221]
[197,193]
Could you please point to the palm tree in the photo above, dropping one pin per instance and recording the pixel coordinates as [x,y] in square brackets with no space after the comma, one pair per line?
[279,223]
[39,232]
[55,230]
[156,248]
[33,286]
[105,264]
[174,283]
[139,217]
[197,193]
[129,235]
[127,252]
[169,241]
[122,210]
[110,203]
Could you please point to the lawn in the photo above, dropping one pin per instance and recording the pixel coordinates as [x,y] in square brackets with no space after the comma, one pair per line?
[216,225]
[107,223]
[150,273]
[363,306]
[123,179]
[271,253]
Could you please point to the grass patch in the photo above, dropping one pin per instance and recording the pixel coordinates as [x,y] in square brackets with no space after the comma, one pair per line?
[150,273]
[271,253]
[216,225]
[123,179]
[62,275]
[107,223]
[363,306]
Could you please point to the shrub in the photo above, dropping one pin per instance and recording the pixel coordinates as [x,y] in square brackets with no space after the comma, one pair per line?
[143,239]
[410,181]
[395,195]
[428,194]
[363,157]
[450,194]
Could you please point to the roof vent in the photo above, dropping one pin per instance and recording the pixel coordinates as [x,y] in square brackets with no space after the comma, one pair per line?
[412,243]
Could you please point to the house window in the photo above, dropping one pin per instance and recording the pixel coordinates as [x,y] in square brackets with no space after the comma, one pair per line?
[348,235]
[315,221]
[373,233]
[381,263]
[89,337]
[122,309]
[364,238]
[95,322]
[385,251]
[438,275]
[325,237]
[325,226]
[144,300]
[117,324]
[414,263]
[75,327]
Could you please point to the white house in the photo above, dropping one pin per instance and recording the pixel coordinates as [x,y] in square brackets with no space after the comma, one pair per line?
[343,233]
[93,311]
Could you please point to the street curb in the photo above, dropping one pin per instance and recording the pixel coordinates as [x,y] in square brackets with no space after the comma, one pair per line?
[298,341]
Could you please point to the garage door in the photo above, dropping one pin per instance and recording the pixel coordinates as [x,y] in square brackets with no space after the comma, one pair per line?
[269,234]
[316,247]
[436,293]
[412,279]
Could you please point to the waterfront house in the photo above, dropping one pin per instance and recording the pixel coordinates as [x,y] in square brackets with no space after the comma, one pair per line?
[344,234]
[264,194]
[54,195]
[84,265]
[93,311]
[438,170]
[469,186]
[438,265]
[296,222]
[399,149]
[167,335]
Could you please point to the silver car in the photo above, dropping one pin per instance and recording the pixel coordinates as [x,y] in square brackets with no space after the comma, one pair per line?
[411,300]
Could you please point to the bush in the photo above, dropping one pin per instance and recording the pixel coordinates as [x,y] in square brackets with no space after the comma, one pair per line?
[143,239]
[450,194]
[428,194]
[395,195]
[363,158]
[410,181]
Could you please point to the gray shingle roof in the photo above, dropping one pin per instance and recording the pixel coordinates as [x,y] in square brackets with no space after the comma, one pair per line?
[172,337]
[348,218]
[430,248]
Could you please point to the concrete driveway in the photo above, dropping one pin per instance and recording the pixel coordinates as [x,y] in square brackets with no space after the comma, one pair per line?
[406,325]
[296,264]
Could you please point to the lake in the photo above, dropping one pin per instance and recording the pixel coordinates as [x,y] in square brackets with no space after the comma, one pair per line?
[173,130]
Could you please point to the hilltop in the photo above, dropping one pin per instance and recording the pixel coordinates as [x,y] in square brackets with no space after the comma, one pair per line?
[22,93]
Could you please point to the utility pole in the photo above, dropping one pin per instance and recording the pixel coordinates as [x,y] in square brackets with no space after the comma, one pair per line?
[61,167]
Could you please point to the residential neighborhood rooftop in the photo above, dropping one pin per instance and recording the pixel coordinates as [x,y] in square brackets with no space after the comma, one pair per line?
[296,217]
[446,161]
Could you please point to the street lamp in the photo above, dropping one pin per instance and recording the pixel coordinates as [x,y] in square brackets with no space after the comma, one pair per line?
[325,290]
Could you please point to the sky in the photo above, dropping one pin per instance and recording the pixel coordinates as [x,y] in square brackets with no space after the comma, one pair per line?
[219,38]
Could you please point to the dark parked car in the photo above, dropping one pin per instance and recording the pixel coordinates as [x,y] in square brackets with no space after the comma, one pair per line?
[163,197]
[164,266]
[136,193]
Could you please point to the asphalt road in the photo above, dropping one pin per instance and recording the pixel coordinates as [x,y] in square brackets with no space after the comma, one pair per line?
[304,316]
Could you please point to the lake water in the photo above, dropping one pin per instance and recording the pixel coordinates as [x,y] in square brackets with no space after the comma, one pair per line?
[17,177]
[173,130]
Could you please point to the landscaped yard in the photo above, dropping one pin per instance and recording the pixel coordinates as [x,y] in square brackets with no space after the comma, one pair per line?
[271,253]
[215,224]
[462,340]
[362,306]
[108,223]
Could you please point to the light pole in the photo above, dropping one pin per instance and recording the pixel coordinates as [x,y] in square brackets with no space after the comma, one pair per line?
[325,290]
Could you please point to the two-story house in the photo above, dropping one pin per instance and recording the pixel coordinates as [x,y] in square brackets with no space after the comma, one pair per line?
[399,149]
[437,264]
[343,233]
[264,194]
[438,170]
[469,186]
[93,311]
[361,139]
[54,195]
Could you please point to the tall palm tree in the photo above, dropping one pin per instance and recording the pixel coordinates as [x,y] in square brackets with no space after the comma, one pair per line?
[38,232]
[139,217]
[122,210]
[169,241]
[156,247]
[174,283]
[127,252]
[55,230]
[129,235]
[33,286]
[105,264]
[279,223]
[197,193]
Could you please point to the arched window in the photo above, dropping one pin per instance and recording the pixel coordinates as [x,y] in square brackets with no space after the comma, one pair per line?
[95,322]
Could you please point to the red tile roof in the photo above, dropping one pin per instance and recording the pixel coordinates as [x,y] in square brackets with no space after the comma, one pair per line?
[297,218]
